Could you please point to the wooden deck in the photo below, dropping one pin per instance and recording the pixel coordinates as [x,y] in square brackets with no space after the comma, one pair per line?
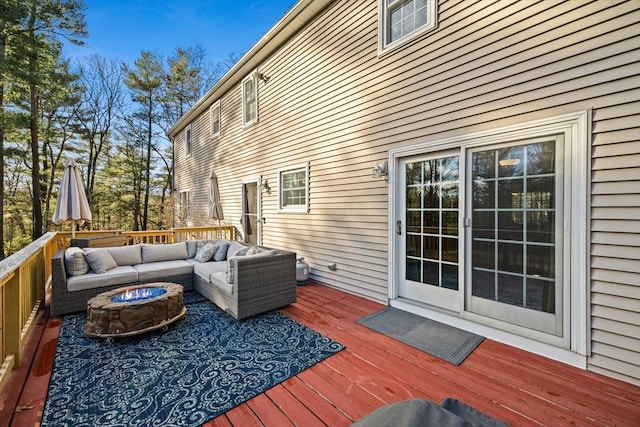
[510,384]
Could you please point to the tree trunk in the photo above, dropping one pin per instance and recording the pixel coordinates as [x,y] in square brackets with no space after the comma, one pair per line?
[36,231]
[3,45]
[35,167]
[147,180]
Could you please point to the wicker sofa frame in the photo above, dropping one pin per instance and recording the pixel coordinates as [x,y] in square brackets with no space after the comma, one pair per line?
[260,284]
[64,301]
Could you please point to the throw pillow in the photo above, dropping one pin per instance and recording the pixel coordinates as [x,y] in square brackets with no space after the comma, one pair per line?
[237,248]
[100,260]
[221,253]
[74,262]
[206,252]
[193,246]
[253,250]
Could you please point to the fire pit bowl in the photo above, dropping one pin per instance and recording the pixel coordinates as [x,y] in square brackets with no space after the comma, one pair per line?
[134,310]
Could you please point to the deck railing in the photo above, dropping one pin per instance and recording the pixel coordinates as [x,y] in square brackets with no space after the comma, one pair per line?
[153,236]
[25,275]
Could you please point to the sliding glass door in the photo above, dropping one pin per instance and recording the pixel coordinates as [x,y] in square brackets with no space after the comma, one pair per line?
[481,232]
[515,265]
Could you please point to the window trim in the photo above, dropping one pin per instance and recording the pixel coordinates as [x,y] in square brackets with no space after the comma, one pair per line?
[254,79]
[188,140]
[295,208]
[384,44]
[212,109]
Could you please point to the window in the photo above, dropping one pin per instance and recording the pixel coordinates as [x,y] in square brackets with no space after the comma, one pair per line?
[187,138]
[185,205]
[401,20]
[293,194]
[214,119]
[250,100]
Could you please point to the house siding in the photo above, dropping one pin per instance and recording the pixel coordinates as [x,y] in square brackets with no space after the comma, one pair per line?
[615,242]
[333,101]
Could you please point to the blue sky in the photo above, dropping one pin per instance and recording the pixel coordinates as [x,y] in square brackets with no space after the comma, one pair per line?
[121,29]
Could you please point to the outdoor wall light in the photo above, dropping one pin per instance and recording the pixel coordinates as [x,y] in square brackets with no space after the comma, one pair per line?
[262,77]
[381,170]
[265,187]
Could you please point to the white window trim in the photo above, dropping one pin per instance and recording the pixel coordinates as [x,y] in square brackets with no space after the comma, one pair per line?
[297,208]
[575,124]
[384,45]
[187,215]
[188,141]
[253,77]
[214,107]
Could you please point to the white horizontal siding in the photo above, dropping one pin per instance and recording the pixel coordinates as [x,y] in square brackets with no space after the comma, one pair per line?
[333,102]
[615,241]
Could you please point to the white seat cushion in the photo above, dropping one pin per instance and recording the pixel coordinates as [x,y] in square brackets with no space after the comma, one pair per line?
[116,276]
[219,281]
[205,269]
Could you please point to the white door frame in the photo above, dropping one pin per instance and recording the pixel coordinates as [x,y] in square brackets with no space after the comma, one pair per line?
[442,297]
[258,181]
[575,127]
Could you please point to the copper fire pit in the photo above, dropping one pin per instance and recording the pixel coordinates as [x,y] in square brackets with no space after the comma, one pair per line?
[134,310]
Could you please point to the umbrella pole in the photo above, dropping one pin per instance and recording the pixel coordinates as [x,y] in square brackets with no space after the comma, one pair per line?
[73,228]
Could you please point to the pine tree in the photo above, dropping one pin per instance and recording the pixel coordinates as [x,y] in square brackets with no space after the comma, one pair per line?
[145,84]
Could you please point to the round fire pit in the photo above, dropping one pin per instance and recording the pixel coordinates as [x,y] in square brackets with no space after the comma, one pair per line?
[134,310]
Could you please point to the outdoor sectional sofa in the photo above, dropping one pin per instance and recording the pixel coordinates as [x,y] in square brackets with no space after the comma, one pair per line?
[240,279]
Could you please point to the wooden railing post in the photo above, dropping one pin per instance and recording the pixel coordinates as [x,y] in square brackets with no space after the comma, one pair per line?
[10,325]
[23,278]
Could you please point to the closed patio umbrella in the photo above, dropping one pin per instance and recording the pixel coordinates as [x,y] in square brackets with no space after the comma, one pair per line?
[215,208]
[72,202]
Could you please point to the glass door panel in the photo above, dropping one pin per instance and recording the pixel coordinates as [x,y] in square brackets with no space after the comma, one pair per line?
[513,245]
[250,212]
[431,240]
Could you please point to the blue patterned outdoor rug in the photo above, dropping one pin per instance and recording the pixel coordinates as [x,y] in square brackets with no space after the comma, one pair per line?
[204,365]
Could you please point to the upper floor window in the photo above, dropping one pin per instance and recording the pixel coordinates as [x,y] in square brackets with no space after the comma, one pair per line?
[250,100]
[187,140]
[401,20]
[293,194]
[214,119]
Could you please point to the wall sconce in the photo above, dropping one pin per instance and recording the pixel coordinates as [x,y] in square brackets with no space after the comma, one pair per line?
[381,170]
[265,187]
[262,77]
